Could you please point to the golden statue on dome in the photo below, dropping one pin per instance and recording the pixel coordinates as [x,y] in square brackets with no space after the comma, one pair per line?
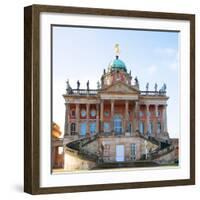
[117,50]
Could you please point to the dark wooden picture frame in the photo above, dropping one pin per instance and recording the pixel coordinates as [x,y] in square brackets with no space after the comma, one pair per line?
[32,98]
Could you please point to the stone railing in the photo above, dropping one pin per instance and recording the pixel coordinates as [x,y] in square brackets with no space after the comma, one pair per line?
[95,92]
[153,93]
[75,147]
[112,133]
[83,92]
[80,142]
[160,152]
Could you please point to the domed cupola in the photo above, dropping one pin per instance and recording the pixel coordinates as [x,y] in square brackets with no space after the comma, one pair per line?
[116,72]
[117,64]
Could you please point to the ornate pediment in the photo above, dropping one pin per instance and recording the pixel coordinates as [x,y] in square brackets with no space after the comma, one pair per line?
[121,88]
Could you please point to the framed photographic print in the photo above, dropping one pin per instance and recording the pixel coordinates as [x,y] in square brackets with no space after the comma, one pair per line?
[109,99]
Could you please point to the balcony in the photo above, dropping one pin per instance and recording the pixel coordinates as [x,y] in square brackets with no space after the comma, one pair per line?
[83,92]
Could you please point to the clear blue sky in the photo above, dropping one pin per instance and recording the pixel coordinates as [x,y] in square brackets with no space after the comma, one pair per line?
[82,54]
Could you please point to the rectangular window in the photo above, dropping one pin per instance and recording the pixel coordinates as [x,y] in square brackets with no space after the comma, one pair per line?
[133,151]
[106,127]
[60,150]
[106,150]
[141,127]
[159,127]
[129,127]
[150,128]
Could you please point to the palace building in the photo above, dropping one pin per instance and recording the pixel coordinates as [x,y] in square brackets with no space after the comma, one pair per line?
[116,123]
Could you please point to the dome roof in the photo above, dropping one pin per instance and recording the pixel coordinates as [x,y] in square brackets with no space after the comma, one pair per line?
[117,64]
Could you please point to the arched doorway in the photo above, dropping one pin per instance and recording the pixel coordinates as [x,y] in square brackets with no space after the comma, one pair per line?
[118,124]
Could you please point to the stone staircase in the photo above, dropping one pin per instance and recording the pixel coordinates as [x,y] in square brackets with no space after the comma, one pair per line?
[164,147]
[160,152]
[75,147]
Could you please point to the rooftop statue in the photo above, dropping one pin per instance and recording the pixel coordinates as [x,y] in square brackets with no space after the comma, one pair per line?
[163,88]
[88,83]
[78,85]
[69,89]
[156,87]
[136,82]
[147,87]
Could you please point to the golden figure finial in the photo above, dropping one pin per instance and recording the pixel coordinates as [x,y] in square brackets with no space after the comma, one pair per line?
[117,50]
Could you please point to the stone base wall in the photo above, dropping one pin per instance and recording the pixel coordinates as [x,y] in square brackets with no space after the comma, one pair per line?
[73,162]
[108,147]
[169,158]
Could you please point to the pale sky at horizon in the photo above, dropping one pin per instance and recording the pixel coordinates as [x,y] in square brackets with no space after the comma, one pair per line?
[82,54]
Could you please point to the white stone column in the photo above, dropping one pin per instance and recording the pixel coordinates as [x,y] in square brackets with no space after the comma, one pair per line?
[101,115]
[69,122]
[66,133]
[77,117]
[165,118]
[97,118]
[126,115]
[156,110]
[112,116]
[156,120]
[147,118]
[133,120]
[136,116]
[87,118]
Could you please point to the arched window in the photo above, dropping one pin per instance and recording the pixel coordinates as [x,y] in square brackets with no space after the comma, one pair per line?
[83,113]
[117,125]
[92,128]
[93,113]
[141,127]
[83,128]
[158,127]
[73,113]
[73,128]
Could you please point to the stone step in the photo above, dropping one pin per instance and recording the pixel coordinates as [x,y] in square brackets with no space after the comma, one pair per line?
[126,164]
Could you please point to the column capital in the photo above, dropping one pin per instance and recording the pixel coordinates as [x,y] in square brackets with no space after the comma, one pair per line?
[101,100]
[127,101]
[147,104]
